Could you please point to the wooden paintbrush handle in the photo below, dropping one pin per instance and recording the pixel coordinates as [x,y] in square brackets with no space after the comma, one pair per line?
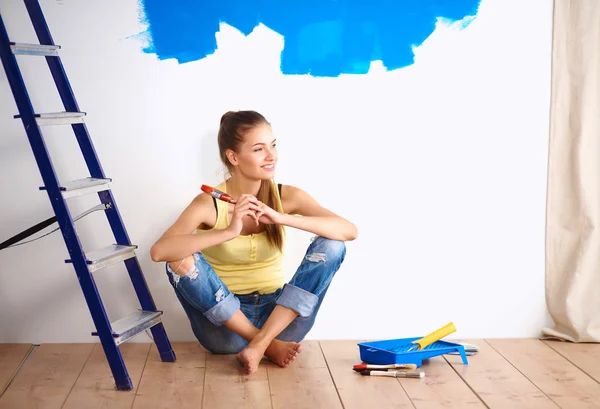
[394,374]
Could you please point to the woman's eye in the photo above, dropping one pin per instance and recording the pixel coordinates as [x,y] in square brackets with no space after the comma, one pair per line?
[257,149]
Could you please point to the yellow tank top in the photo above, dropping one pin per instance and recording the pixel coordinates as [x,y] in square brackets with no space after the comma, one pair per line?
[247,263]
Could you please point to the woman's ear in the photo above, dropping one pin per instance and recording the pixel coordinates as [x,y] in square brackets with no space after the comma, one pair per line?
[231,157]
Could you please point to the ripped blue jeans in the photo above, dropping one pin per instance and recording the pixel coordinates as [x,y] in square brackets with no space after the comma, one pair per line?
[208,303]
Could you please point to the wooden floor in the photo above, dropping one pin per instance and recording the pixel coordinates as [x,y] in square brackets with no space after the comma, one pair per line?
[522,373]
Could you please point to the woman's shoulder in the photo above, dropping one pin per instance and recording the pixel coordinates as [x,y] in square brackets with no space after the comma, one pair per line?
[205,207]
[292,197]
[289,191]
[202,199]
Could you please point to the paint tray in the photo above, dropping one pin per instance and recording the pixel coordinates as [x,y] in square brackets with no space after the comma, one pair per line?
[395,351]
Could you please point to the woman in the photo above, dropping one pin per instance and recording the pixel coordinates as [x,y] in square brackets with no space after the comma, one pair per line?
[225,260]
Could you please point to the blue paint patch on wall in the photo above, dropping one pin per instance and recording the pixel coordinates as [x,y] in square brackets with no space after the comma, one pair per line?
[322,37]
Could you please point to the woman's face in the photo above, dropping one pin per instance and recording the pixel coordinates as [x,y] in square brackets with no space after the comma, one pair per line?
[257,156]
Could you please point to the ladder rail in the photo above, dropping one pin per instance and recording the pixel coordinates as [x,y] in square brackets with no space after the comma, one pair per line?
[59,205]
[65,91]
[149,316]
[93,163]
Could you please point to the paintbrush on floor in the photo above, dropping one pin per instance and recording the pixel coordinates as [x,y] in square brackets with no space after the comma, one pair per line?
[407,367]
[392,374]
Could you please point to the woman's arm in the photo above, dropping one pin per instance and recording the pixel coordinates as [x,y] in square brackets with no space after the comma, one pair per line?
[314,217]
[178,241]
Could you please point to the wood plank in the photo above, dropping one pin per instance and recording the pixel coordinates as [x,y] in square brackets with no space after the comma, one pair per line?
[357,391]
[305,384]
[562,381]
[440,388]
[585,356]
[227,385]
[47,378]
[311,355]
[12,357]
[172,385]
[95,387]
[496,381]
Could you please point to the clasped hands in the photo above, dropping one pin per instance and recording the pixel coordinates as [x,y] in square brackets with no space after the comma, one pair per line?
[250,206]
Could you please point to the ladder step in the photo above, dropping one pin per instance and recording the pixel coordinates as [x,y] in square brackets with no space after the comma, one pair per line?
[84,186]
[107,256]
[35,49]
[58,118]
[128,327]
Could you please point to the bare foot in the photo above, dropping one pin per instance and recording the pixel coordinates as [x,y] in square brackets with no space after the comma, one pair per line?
[278,352]
[283,353]
[250,357]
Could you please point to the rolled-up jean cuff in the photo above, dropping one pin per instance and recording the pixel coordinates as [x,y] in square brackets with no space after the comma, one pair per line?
[224,310]
[297,299]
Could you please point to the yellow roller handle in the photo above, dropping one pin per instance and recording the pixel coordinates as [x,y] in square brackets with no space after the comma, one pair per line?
[435,335]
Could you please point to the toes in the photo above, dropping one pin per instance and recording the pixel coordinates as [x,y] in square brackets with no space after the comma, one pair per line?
[290,359]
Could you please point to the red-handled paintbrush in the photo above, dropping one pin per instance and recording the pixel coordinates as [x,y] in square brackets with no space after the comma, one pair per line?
[361,367]
[216,193]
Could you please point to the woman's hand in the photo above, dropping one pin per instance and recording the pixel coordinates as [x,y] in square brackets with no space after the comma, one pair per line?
[269,215]
[245,206]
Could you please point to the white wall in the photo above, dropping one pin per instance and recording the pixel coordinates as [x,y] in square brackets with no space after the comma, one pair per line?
[457,142]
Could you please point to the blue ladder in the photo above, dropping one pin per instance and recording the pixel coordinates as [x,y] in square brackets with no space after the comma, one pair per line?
[110,334]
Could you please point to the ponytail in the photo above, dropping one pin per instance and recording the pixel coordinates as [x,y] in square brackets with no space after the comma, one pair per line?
[268,195]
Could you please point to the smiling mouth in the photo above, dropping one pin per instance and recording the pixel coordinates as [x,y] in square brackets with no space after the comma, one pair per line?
[268,167]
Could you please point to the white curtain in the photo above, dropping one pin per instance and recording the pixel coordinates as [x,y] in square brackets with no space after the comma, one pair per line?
[573,203]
